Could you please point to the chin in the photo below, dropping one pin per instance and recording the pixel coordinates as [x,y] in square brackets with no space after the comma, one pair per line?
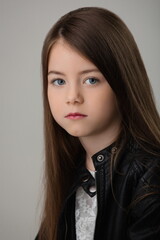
[76,133]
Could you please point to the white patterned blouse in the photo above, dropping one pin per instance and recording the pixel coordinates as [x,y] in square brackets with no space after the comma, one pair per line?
[85,214]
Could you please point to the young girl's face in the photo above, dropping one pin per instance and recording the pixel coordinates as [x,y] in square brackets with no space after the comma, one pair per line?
[80,99]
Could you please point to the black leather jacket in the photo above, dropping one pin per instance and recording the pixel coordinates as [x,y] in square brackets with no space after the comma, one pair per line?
[129,208]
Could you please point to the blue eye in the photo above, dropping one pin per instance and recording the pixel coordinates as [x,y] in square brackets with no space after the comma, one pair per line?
[91,81]
[58,82]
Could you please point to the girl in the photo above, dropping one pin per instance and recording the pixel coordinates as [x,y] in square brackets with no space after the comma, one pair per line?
[102,133]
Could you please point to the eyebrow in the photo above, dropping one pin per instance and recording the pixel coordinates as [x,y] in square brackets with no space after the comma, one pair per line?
[81,73]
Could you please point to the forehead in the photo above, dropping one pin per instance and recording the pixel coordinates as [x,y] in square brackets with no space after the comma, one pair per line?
[62,54]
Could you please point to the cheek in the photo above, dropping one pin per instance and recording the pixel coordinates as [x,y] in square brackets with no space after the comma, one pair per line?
[105,100]
[106,106]
[50,99]
[53,103]
[112,107]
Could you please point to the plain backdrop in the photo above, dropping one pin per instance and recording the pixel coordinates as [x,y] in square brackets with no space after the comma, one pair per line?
[23,26]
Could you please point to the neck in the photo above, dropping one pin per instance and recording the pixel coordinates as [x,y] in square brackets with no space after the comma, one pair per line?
[93,144]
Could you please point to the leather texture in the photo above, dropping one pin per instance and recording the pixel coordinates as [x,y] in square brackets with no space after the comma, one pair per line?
[128,206]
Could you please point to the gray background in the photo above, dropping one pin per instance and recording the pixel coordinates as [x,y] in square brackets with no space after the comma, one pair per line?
[23,26]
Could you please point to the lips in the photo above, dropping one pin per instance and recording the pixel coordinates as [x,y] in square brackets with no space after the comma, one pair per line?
[75,116]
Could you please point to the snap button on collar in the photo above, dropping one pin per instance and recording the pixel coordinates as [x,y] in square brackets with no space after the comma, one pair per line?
[114,150]
[100,158]
[92,189]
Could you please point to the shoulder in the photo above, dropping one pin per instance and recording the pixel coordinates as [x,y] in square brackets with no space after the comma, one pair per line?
[145,165]
[144,173]
[140,167]
[141,160]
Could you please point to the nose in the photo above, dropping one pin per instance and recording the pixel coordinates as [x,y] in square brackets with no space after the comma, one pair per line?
[74,95]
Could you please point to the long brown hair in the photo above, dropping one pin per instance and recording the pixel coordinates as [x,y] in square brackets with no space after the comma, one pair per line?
[104,39]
